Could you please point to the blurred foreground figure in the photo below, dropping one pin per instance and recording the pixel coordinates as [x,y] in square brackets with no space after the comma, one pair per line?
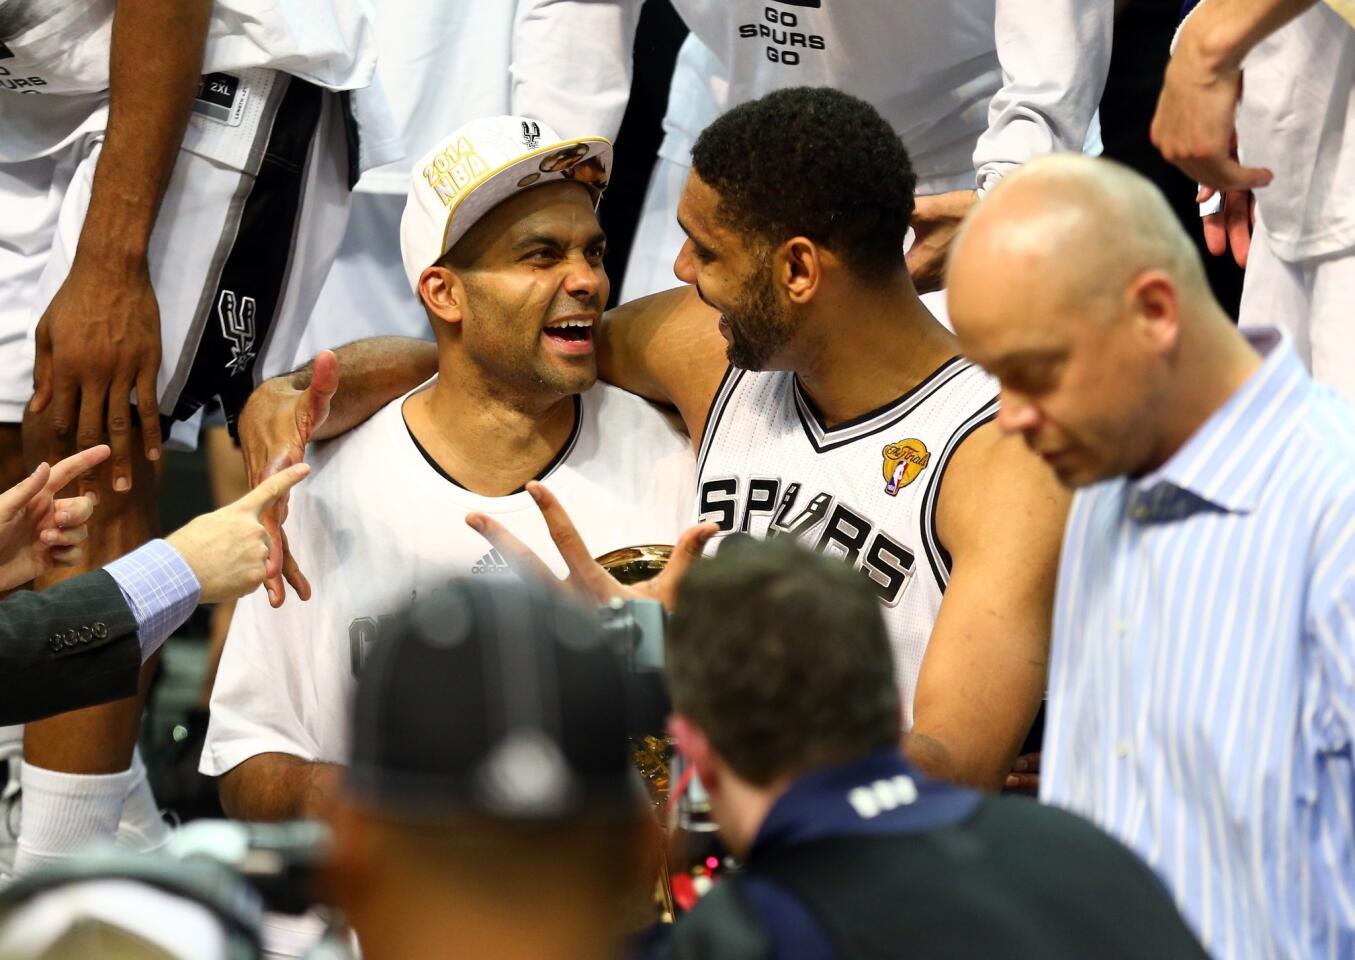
[779,666]
[490,809]
[1202,677]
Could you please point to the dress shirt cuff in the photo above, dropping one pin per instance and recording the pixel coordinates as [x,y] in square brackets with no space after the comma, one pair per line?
[159,587]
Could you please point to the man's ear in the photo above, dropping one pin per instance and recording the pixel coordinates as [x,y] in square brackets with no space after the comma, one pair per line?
[695,747]
[797,266]
[1153,302]
[443,294]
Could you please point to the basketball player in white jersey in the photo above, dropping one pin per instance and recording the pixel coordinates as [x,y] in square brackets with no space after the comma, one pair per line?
[501,244]
[828,405]
[173,176]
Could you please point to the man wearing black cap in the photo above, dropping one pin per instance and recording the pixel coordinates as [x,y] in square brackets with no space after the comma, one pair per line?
[778,666]
[490,809]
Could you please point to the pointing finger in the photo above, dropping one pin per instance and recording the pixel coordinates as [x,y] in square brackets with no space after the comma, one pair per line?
[259,499]
[77,465]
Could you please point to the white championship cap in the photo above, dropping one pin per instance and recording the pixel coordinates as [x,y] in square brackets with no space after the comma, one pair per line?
[479,166]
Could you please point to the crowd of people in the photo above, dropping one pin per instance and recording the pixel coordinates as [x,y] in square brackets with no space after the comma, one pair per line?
[932,414]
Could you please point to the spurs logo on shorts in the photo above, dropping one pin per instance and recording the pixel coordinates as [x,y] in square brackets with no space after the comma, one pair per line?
[237,326]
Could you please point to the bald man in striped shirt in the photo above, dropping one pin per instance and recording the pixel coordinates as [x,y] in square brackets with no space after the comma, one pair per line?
[1202,677]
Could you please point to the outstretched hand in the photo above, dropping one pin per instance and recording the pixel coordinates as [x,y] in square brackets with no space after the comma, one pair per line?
[275,426]
[38,531]
[586,575]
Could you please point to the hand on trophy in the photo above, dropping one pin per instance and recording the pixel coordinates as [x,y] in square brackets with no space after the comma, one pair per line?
[586,575]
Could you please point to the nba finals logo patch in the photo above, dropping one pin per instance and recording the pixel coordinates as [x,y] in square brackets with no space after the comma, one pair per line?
[903,462]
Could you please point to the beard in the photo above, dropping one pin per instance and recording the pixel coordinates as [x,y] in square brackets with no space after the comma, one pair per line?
[759,324]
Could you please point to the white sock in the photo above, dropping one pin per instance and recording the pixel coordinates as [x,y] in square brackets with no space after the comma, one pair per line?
[63,812]
[142,828]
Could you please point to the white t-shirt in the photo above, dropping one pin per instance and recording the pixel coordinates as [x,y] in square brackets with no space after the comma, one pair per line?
[1297,118]
[375,524]
[54,58]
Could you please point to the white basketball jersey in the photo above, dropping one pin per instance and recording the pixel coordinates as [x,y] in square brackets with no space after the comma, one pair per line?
[865,490]
[376,524]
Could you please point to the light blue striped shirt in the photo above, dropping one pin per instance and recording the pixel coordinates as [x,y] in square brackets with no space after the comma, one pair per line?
[1202,679]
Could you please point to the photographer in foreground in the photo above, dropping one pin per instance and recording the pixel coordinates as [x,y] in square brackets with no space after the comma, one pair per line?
[779,668]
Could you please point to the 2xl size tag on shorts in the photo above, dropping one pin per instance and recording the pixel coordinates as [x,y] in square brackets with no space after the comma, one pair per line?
[221,97]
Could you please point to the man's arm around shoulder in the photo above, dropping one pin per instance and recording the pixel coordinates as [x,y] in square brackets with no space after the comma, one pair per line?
[1000,514]
[666,348]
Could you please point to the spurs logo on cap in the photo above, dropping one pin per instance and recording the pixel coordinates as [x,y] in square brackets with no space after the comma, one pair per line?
[531,134]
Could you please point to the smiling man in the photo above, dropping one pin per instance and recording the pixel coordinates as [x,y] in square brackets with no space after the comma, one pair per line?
[829,406]
[503,248]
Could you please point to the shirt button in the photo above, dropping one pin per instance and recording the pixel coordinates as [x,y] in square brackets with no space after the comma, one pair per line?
[85,634]
[1122,749]
[100,630]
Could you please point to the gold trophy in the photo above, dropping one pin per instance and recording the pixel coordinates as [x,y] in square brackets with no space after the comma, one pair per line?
[650,753]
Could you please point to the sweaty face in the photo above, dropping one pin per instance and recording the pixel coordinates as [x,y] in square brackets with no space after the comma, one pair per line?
[1074,383]
[734,277]
[535,287]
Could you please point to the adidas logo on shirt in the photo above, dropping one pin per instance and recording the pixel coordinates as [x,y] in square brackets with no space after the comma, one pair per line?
[492,562]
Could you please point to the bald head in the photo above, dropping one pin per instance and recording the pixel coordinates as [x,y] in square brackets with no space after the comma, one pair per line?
[1075,285]
[1074,229]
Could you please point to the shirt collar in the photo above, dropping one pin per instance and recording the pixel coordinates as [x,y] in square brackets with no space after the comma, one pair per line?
[878,793]
[1225,462]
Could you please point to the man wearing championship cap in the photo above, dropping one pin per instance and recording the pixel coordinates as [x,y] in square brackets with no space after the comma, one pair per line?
[490,781]
[502,246]
[830,406]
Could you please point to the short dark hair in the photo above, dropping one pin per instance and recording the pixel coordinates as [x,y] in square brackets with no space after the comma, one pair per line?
[813,162]
[781,656]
